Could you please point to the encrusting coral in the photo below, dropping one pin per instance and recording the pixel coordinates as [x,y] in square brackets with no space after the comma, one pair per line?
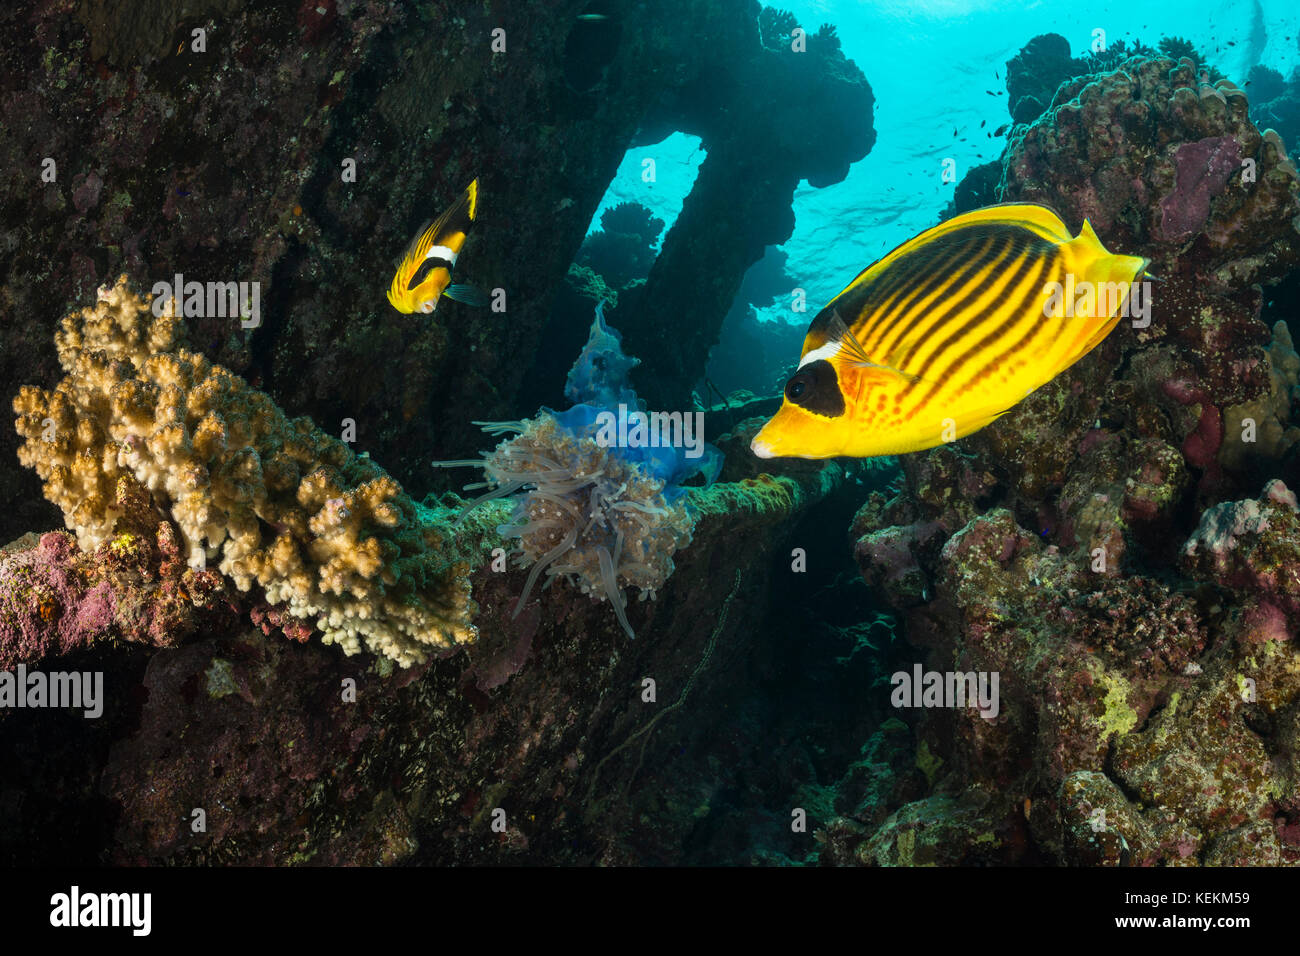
[274,502]
[1154,682]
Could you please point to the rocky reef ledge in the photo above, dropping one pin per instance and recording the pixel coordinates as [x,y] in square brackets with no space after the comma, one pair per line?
[211,539]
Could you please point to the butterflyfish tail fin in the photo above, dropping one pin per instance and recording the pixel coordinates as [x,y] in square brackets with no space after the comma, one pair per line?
[471,195]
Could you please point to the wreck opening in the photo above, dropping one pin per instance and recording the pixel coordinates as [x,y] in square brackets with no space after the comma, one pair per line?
[657,176]
[623,241]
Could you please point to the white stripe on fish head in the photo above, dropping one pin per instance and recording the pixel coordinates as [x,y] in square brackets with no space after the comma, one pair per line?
[827,351]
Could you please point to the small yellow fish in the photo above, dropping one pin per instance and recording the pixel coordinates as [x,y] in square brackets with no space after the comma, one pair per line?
[948,332]
[425,270]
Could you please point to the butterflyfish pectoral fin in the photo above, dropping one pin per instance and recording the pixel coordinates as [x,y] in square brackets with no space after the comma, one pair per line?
[837,331]
[468,294]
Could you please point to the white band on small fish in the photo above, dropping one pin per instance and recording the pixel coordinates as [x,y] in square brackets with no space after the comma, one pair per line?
[442,252]
[827,351]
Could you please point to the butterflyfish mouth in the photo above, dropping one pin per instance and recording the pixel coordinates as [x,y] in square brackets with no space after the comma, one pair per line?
[761,449]
[427,307]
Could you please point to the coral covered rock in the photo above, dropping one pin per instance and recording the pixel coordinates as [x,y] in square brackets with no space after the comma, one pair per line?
[1034,73]
[135,586]
[1251,546]
[1267,419]
[1100,827]
[272,502]
[623,249]
[1153,157]
[1148,690]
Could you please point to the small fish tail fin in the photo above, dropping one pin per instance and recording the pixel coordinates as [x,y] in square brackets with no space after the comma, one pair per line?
[1084,249]
[448,229]
[1088,259]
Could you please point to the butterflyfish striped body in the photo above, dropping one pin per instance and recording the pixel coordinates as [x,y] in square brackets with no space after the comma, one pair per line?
[424,273]
[948,332]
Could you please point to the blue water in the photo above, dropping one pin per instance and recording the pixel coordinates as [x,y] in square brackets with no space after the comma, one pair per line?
[930,64]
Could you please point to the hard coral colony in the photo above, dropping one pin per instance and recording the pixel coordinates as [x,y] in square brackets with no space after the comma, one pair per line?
[272,502]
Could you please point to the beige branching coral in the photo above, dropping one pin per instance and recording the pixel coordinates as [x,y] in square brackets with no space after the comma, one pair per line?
[273,502]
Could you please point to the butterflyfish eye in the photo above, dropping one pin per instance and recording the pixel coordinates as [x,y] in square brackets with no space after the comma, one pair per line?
[816,387]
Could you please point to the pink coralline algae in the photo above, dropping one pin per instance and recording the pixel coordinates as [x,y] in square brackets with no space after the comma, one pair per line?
[277,618]
[135,587]
[1153,156]
[1202,170]
[1202,446]
[888,562]
[45,608]
[85,194]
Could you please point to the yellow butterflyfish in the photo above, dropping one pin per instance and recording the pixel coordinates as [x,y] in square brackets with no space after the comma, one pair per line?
[425,270]
[948,332]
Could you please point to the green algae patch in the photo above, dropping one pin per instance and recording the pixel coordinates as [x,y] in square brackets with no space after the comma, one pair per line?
[928,762]
[1118,717]
[221,678]
[765,496]
[906,848]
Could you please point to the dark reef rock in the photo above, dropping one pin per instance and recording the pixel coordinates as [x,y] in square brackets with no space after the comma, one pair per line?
[1275,103]
[1156,161]
[1033,75]
[767,121]
[1104,549]
[297,754]
[978,188]
[300,146]
[623,248]
[755,354]
[1147,685]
